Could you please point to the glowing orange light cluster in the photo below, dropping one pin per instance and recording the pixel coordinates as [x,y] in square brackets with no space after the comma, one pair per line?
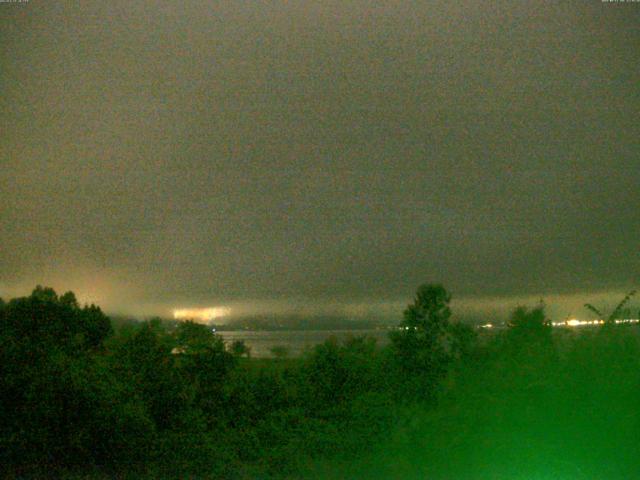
[579,323]
[201,314]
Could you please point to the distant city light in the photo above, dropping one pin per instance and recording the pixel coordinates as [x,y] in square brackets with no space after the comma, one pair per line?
[579,323]
[574,322]
[201,314]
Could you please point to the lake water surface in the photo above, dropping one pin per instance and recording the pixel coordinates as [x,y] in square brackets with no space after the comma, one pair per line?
[296,341]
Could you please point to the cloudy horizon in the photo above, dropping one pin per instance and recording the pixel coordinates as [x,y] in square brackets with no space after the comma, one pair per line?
[328,154]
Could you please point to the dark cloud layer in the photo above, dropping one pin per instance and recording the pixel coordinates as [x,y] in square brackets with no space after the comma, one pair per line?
[228,151]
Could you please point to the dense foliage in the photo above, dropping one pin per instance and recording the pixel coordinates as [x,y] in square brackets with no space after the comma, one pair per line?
[79,399]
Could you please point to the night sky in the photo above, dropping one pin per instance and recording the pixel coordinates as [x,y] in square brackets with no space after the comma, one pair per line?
[155,154]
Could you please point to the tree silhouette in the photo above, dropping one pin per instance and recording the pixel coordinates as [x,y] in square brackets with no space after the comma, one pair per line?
[240,348]
[420,344]
[44,319]
[529,321]
[192,337]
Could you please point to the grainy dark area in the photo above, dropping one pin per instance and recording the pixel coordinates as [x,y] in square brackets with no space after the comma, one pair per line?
[215,183]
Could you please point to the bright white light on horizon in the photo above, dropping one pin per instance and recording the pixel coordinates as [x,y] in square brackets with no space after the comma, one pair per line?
[201,314]
[578,323]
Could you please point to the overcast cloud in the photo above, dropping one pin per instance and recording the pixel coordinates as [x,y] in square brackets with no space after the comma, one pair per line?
[156,153]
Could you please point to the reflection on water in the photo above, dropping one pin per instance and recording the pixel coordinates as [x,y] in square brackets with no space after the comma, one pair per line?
[296,342]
